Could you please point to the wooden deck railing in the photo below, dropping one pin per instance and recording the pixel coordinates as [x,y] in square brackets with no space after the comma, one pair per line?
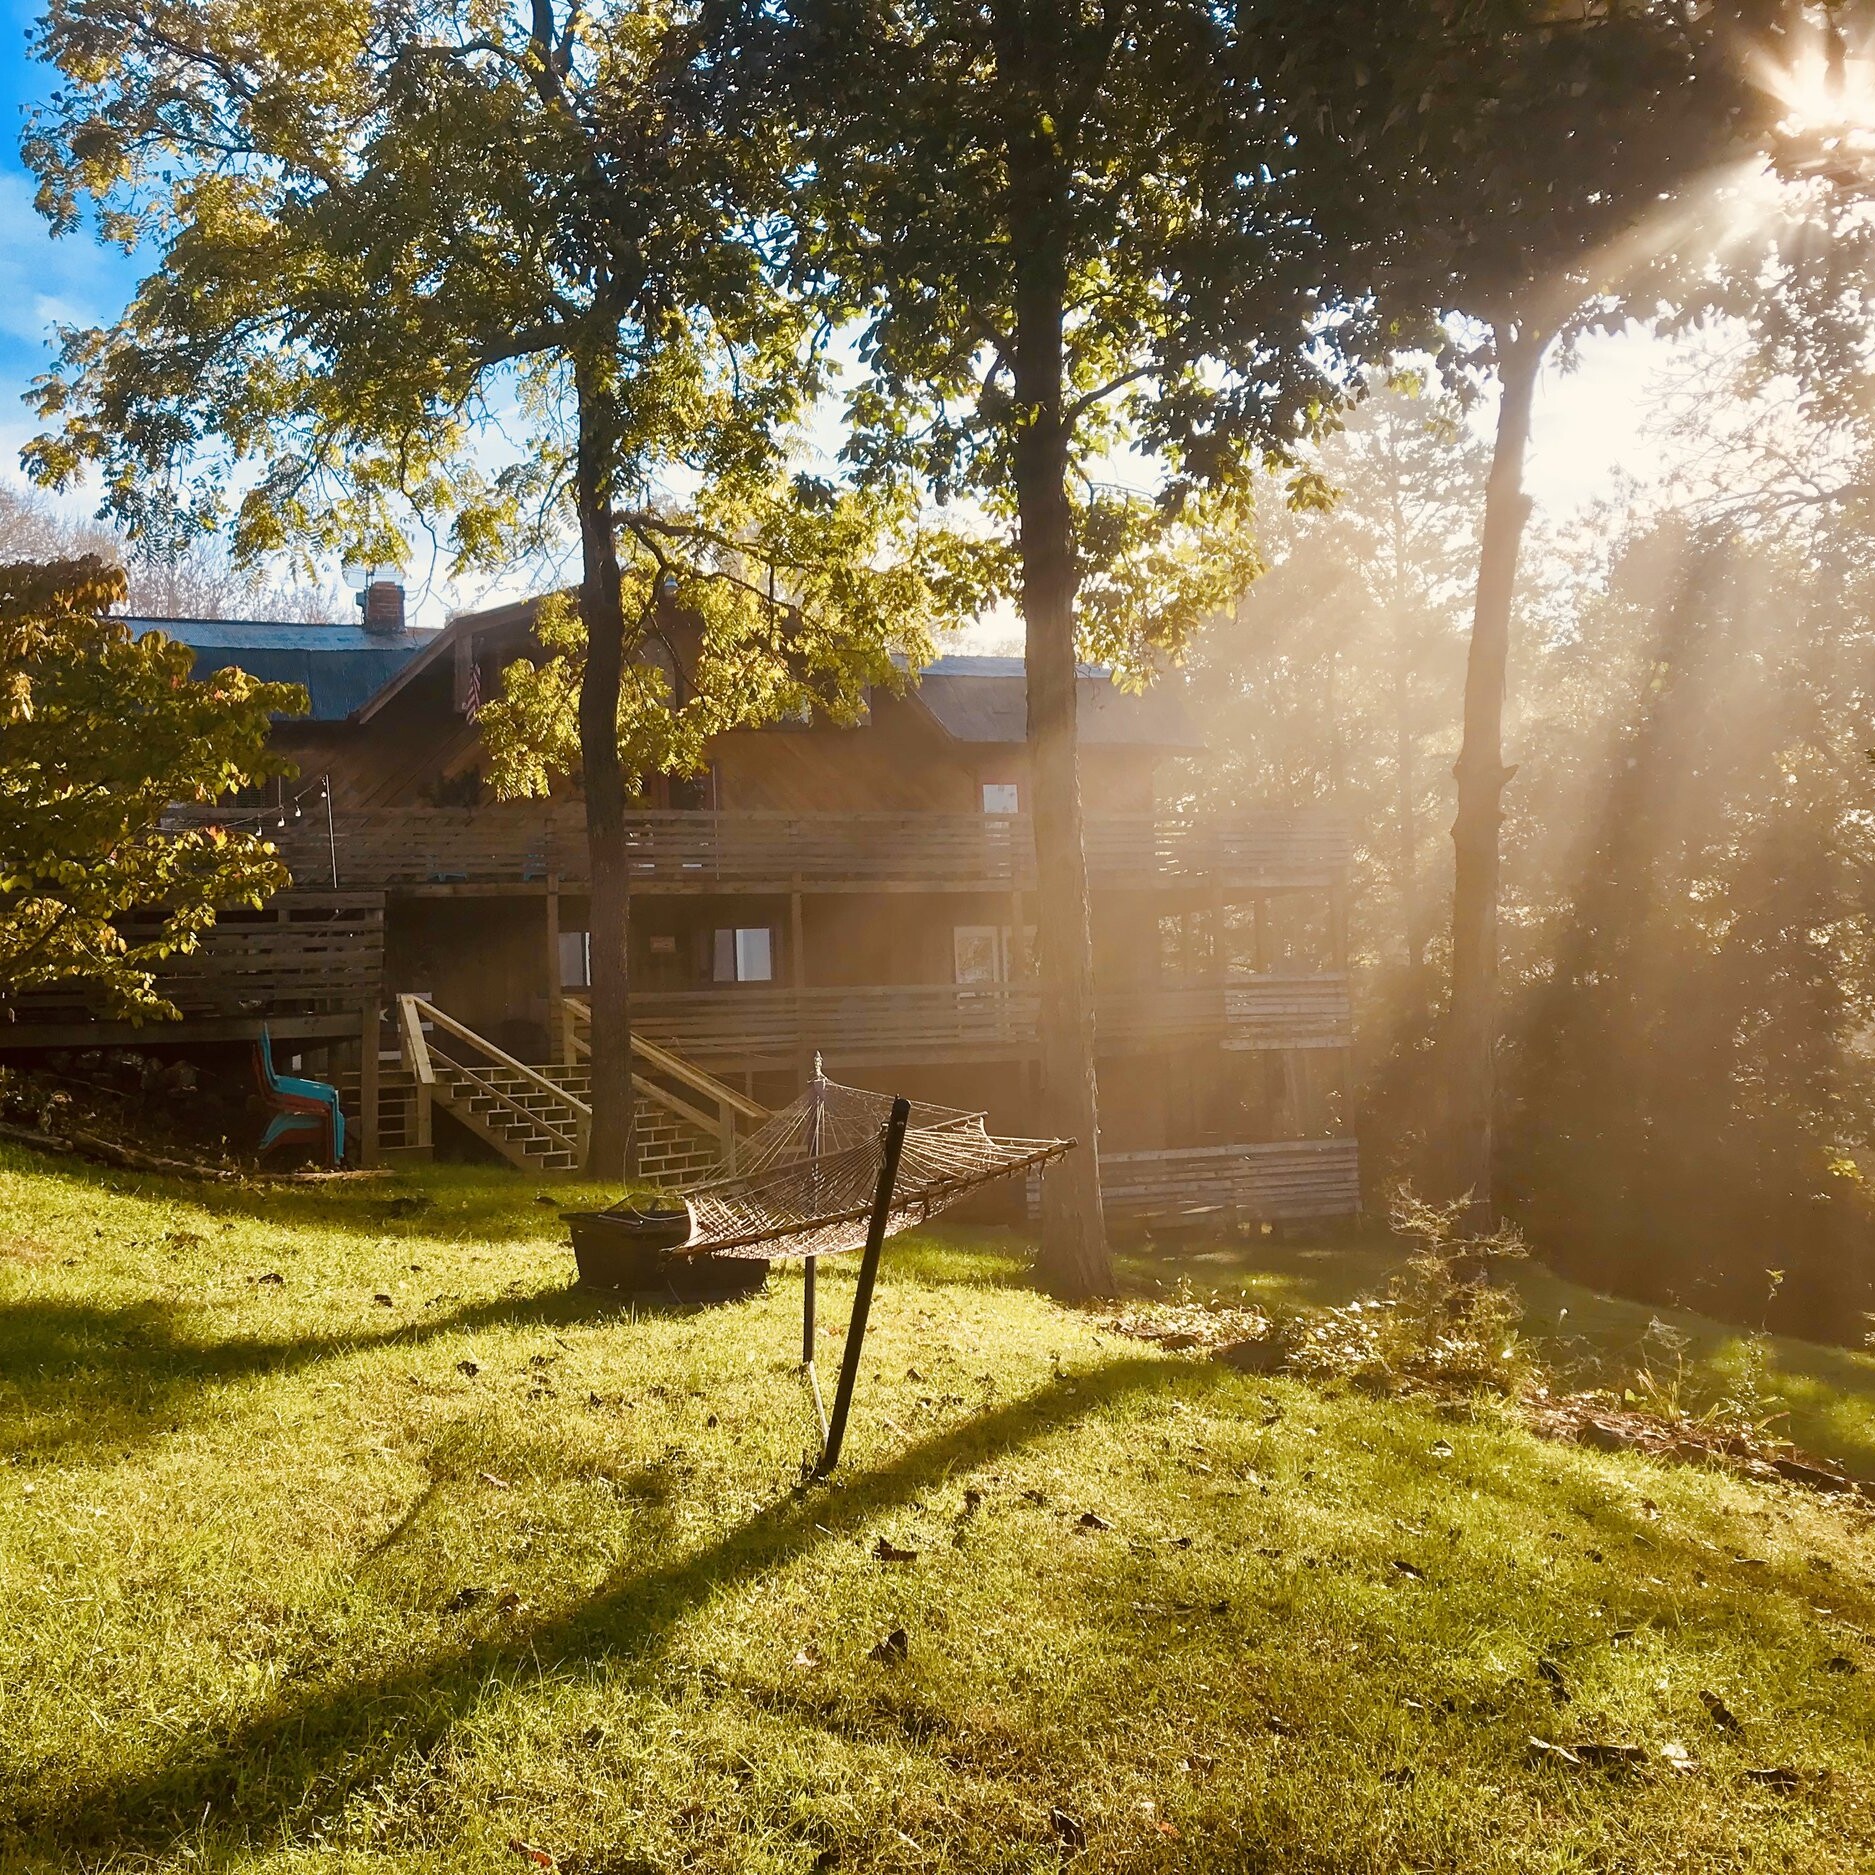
[1283,1181]
[695,852]
[706,1103]
[306,953]
[896,1023]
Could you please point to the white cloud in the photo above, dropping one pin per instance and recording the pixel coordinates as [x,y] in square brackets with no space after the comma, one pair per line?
[45,281]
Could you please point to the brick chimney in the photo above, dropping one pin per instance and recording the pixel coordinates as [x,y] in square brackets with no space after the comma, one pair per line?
[383,602]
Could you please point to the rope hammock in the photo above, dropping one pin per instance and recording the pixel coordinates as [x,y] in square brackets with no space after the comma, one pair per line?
[805,1182]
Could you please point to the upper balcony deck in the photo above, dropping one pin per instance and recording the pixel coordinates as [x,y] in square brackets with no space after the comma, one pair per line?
[526,843]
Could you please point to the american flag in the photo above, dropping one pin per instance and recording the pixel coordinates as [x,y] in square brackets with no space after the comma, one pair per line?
[472,698]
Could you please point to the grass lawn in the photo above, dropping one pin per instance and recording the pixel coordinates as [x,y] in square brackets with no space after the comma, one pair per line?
[412,1554]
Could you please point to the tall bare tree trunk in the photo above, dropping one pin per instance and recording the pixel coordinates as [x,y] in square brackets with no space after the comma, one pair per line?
[612,1149]
[1471,1021]
[1406,782]
[1074,1262]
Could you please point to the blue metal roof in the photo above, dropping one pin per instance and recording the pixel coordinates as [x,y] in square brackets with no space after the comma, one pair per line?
[341,666]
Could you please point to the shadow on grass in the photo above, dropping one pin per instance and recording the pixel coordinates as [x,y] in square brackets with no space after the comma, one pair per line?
[83,1383]
[492,1202]
[258,1777]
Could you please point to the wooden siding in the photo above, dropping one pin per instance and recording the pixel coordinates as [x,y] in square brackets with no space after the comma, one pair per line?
[758,851]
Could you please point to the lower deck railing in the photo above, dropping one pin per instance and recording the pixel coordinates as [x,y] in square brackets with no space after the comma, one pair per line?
[754,1028]
[304,953]
[1283,1181]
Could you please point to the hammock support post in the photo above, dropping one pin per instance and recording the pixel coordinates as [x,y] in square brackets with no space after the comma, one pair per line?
[862,1292]
[817,1095]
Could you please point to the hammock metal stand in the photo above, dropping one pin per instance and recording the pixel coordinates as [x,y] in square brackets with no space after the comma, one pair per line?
[833,1426]
[840,1169]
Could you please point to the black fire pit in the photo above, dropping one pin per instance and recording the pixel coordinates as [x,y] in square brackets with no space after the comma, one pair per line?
[635,1253]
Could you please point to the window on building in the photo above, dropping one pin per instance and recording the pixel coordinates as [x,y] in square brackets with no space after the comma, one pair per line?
[977,953]
[745,954]
[575,960]
[693,794]
[991,953]
[1002,797]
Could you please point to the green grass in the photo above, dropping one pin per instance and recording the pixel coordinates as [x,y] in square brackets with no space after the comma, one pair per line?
[238,1518]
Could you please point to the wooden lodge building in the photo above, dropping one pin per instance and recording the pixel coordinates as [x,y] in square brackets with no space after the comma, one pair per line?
[863,892]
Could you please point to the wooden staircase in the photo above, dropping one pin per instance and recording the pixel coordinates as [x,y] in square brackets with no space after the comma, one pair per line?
[539,1118]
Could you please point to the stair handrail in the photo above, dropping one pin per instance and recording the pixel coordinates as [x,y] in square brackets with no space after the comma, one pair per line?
[573,1142]
[410,1036]
[719,1093]
[534,1078]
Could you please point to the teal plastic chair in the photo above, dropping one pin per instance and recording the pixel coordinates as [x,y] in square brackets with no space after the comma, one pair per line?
[299,1105]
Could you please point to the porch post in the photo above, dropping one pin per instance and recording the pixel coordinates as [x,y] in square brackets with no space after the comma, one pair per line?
[797,969]
[368,1086]
[559,1040]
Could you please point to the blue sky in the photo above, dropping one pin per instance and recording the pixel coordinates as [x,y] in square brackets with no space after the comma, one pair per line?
[42,281]
[1589,424]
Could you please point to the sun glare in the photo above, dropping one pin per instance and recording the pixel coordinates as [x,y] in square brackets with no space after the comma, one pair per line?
[1823,96]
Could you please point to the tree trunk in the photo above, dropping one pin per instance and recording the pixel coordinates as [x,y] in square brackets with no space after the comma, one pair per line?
[1074,1262]
[1471,1021]
[612,1149]
[1413,933]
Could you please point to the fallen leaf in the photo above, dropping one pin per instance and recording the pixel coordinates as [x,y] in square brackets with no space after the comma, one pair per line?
[469,1369]
[1092,1520]
[1561,1754]
[1676,1757]
[1840,1663]
[1167,1829]
[1649,1509]
[1722,1715]
[1034,1497]
[885,1550]
[271,1276]
[911,1373]
[539,1857]
[382,1300]
[1067,1829]
[509,1603]
[462,1600]
[1782,1777]
[1596,1752]
[1819,1477]
[1440,1448]
[494,1483]
[808,1658]
[892,1649]
[1408,1569]
[1278,1726]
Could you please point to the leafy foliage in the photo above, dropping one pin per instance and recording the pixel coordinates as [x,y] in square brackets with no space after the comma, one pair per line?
[1447,1321]
[99,733]
[718,646]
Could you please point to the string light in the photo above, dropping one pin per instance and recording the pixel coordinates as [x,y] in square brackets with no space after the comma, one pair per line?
[257,820]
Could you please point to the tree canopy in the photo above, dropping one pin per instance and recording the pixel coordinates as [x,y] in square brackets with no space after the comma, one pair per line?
[100,734]
[494,271]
